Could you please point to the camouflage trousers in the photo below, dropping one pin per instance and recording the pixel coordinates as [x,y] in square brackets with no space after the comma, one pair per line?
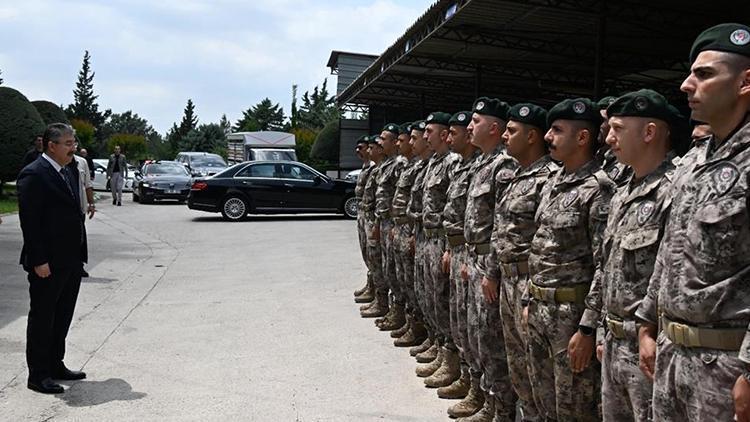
[694,384]
[559,393]
[457,300]
[404,262]
[362,232]
[438,287]
[420,288]
[375,258]
[515,333]
[626,392]
[389,259]
[487,346]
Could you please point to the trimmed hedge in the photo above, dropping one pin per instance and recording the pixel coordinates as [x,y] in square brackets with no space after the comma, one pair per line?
[326,146]
[50,112]
[20,123]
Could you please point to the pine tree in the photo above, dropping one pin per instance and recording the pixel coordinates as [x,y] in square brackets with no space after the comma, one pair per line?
[189,119]
[84,105]
[225,125]
[295,111]
[1,79]
[263,116]
[318,109]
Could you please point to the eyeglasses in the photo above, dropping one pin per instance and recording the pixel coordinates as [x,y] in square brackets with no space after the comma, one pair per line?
[67,144]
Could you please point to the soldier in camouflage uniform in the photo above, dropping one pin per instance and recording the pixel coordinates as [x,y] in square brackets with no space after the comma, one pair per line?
[619,173]
[436,280]
[639,137]
[453,223]
[364,294]
[491,173]
[379,306]
[699,294]
[390,170]
[414,209]
[565,250]
[401,234]
[514,228]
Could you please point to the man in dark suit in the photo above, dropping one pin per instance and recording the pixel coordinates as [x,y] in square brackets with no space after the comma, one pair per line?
[54,247]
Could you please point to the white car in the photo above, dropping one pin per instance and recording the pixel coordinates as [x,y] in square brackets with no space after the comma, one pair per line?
[353,175]
[100,176]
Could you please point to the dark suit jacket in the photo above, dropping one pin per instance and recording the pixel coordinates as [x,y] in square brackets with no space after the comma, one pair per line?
[51,218]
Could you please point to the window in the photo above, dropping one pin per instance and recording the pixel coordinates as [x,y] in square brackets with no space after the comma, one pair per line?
[297,172]
[257,170]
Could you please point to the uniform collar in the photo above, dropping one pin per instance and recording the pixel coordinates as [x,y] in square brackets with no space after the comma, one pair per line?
[535,167]
[582,173]
[652,181]
[738,141]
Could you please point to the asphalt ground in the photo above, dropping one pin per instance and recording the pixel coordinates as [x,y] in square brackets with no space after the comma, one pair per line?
[188,317]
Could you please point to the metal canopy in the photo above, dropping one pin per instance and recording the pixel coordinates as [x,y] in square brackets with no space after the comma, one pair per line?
[537,50]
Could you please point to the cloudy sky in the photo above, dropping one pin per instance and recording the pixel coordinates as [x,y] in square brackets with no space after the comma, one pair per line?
[151,56]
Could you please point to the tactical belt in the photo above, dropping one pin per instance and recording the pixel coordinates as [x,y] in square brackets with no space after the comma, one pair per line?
[455,240]
[575,294]
[434,232]
[478,248]
[514,269]
[710,338]
[400,220]
[618,326]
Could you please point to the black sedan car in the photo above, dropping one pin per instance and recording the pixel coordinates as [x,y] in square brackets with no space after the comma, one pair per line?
[162,180]
[272,187]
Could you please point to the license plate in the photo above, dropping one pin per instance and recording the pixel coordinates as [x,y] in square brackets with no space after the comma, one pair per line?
[172,191]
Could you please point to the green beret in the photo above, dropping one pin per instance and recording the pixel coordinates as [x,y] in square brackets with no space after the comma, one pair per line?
[405,128]
[391,127]
[363,140]
[419,125]
[438,117]
[462,118]
[529,114]
[642,103]
[727,37]
[491,107]
[575,109]
[605,102]
[373,139]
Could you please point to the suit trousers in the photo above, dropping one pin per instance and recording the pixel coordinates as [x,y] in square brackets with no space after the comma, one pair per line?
[53,300]
[115,184]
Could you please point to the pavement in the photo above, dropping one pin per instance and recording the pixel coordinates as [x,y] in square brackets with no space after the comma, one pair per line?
[190,318]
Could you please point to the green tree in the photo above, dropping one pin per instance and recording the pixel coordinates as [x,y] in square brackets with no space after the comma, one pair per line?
[86,135]
[50,112]
[226,126]
[263,116]
[127,122]
[133,146]
[1,79]
[19,125]
[205,138]
[295,111]
[84,105]
[326,146]
[318,108]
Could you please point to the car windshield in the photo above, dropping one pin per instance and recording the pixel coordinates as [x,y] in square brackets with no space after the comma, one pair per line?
[165,169]
[208,161]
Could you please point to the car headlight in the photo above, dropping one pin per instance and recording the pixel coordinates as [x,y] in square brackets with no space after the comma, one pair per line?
[145,184]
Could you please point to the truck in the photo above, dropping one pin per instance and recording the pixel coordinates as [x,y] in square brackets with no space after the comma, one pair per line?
[258,146]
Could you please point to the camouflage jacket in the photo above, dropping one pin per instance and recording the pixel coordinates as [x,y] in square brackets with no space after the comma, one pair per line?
[702,271]
[404,185]
[435,190]
[571,217]
[455,208]
[634,229]
[618,172]
[390,170]
[491,174]
[514,225]
[368,196]
[414,208]
[359,190]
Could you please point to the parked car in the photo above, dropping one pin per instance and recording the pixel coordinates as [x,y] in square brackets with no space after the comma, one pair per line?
[272,187]
[100,176]
[353,175]
[201,163]
[162,180]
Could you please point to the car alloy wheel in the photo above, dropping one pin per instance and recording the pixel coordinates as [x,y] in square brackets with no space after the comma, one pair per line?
[234,208]
[350,207]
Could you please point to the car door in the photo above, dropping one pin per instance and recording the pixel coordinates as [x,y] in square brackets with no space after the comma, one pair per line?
[257,181]
[307,190]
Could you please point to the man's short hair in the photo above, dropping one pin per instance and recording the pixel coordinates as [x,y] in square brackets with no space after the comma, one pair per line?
[55,132]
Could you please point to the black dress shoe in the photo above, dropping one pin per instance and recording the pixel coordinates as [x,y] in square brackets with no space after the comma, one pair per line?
[68,375]
[84,274]
[45,386]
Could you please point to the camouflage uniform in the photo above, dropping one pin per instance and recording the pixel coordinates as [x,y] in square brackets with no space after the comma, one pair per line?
[565,250]
[414,212]
[453,222]
[513,231]
[629,245]
[359,191]
[618,172]
[374,252]
[491,174]
[404,230]
[436,281]
[390,169]
[701,279]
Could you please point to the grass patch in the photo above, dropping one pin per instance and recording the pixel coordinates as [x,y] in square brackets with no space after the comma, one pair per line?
[8,201]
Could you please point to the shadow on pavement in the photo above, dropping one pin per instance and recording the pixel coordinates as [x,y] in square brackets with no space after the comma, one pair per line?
[286,217]
[94,393]
[98,280]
